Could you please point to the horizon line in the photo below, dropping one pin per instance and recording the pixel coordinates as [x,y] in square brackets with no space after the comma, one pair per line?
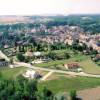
[51,14]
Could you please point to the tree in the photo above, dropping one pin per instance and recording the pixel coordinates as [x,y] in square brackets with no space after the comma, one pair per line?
[47,94]
[20,57]
[32,88]
[11,60]
[23,48]
[73,95]
[0,75]
[22,89]
[19,48]
[63,98]
[52,55]
[94,52]
[67,56]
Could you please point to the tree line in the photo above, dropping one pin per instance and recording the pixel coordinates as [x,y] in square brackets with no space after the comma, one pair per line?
[25,89]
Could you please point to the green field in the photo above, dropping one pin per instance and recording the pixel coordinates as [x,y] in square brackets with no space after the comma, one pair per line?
[86,63]
[8,73]
[60,84]
[90,67]
[53,62]
[65,84]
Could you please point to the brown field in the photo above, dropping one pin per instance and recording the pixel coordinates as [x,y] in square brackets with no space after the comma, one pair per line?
[90,94]
[13,19]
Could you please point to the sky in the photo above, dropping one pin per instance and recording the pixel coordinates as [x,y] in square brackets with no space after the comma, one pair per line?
[43,7]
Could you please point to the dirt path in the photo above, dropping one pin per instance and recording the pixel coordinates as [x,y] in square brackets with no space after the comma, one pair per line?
[46,76]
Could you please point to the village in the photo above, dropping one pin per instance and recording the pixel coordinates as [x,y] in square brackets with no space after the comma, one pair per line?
[49,49]
[66,36]
[63,53]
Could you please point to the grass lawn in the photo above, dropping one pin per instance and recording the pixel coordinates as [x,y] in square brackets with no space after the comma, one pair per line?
[60,84]
[65,84]
[68,50]
[86,63]
[90,67]
[10,73]
[60,62]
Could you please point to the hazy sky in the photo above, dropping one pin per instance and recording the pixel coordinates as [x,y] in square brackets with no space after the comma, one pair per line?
[31,7]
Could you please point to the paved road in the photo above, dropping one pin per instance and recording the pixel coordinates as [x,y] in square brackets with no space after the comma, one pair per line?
[57,71]
[47,69]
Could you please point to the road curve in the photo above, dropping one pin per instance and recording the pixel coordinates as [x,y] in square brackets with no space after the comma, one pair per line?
[47,69]
[57,71]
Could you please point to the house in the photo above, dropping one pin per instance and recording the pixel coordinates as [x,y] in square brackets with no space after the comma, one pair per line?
[29,54]
[73,66]
[3,62]
[37,54]
[6,46]
[31,74]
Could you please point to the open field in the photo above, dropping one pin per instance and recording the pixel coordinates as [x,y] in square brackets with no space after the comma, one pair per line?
[90,67]
[8,73]
[12,73]
[56,82]
[65,84]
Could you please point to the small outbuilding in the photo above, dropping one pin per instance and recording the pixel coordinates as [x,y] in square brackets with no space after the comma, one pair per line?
[29,54]
[37,54]
[73,66]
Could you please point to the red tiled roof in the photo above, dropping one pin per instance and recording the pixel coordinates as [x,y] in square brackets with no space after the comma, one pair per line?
[73,65]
